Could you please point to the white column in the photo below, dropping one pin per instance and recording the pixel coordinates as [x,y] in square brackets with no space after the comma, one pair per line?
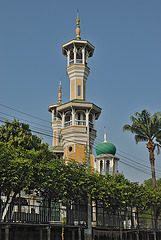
[68,58]
[98,165]
[83,55]
[63,120]
[111,166]
[75,52]
[87,117]
[73,116]
[103,170]
[52,114]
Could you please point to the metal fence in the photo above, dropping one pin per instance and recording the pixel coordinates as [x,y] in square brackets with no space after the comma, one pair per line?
[103,217]
[37,210]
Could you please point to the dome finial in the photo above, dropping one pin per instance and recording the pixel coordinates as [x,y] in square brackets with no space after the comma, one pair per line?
[78,26]
[59,94]
[105,139]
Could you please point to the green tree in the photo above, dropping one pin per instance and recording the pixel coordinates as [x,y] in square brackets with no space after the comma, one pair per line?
[147,127]
[22,159]
[153,201]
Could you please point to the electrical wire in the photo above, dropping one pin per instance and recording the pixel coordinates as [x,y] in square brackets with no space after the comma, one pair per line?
[27,114]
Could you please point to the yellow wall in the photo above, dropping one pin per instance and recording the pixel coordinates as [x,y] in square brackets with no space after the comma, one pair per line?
[54,139]
[72,89]
[78,153]
[79,82]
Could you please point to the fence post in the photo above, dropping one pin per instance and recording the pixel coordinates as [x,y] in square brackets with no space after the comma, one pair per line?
[41,234]
[48,233]
[79,234]
[88,230]
[155,237]
[7,232]
[120,222]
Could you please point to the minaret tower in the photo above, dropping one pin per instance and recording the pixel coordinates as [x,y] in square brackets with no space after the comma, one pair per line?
[56,126]
[77,52]
[77,116]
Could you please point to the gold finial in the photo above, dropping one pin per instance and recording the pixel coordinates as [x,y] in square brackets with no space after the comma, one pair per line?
[78,26]
[59,94]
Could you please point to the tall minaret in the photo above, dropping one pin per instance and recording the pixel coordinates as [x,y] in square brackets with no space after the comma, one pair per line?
[77,52]
[56,126]
[76,117]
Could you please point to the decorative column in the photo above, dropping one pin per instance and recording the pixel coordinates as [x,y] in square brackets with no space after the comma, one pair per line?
[63,118]
[75,52]
[83,55]
[52,115]
[87,117]
[73,117]
[68,58]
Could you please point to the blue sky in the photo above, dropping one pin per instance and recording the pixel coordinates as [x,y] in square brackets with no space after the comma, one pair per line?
[125,72]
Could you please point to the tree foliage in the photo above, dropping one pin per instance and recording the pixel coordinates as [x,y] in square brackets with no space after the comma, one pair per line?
[21,156]
[147,128]
[26,164]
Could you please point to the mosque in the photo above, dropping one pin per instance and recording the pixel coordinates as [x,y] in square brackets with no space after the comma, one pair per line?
[73,122]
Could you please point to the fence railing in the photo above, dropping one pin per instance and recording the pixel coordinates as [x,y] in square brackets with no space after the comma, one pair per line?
[125,220]
[37,210]
[32,210]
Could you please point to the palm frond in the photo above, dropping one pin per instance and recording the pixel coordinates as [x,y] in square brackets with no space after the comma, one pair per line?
[139,138]
[158,148]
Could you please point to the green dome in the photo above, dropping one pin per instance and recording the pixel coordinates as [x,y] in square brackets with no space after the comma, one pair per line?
[105,147]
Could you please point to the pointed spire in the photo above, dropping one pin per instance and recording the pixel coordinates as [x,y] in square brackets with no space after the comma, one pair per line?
[105,140]
[78,26]
[59,94]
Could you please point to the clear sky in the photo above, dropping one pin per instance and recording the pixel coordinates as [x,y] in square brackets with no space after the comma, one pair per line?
[125,72]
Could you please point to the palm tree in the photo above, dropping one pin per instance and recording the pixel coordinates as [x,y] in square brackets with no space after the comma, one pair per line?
[147,128]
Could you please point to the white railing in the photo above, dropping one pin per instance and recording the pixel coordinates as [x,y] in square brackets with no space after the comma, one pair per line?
[77,61]
[80,122]
[68,123]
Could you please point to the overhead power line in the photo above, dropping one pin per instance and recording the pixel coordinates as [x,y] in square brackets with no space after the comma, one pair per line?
[27,114]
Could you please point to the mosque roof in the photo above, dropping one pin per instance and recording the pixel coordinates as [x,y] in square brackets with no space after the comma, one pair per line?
[106,148]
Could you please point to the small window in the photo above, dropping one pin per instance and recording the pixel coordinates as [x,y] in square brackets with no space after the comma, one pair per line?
[70,149]
[59,138]
[79,90]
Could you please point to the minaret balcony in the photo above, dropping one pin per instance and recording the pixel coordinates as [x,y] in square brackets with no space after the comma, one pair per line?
[78,123]
[80,61]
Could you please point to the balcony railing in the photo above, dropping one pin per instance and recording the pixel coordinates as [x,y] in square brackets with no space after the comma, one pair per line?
[77,61]
[78,123]
[68,123]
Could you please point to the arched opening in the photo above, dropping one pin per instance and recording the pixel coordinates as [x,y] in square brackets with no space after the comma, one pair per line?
[80,118]
[68,119]
[101,167]
[107,166]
